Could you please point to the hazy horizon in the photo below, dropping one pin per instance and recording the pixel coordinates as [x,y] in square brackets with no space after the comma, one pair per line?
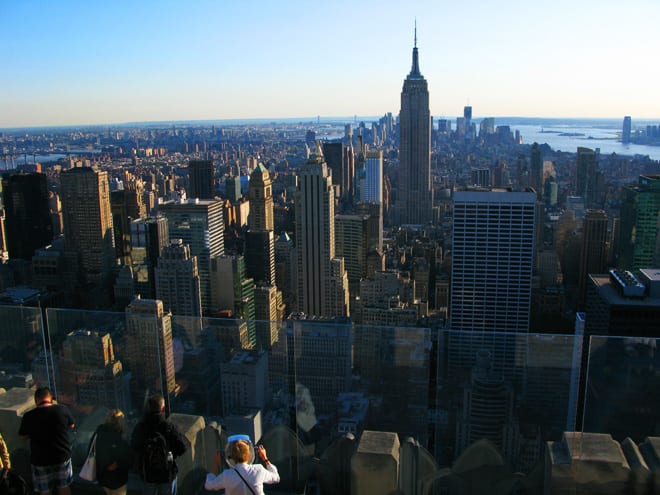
[612,122]
[75,63]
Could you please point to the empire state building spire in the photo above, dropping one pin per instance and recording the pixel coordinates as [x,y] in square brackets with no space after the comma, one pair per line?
[414,72]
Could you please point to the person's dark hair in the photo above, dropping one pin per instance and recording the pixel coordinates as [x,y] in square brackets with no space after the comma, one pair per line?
[42,394]
[155,404]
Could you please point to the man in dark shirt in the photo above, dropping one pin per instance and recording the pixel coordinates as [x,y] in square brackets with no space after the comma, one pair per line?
[158,481]
[47,427]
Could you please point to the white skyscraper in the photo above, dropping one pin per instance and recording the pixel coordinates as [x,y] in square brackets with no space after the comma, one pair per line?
[372,189]
[199,223]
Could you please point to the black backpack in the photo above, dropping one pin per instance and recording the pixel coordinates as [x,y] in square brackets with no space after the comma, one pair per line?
[157,459]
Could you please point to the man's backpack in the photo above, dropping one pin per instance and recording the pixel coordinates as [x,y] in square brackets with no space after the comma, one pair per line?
[157,459]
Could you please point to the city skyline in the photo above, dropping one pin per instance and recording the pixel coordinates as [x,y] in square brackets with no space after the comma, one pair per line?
[73,63]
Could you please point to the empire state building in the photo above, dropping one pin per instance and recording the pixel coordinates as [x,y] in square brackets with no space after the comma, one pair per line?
[415,196]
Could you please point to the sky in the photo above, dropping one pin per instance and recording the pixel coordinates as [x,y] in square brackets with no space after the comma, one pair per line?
[109,62]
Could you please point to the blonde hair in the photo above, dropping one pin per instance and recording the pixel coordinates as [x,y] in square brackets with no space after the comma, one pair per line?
[115,420]
[239,451]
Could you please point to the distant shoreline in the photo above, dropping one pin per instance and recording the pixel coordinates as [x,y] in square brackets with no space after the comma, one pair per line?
[610,122]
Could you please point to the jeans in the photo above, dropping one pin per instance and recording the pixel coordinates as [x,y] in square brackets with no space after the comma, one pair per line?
[159,488]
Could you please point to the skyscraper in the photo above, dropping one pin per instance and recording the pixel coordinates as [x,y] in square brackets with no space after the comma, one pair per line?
[88,221]
[285,270]
[126,204]
[315,236]
[148,238]
[593,255]
[492,261]
[536,170]
[233,290]
[149,352]
[587,176]
[177,280]
[199,223]
[341,162]
[260,255]
[260,195]
[627,129]
[372,189]
[201,179]
[27,217]
[351,244]
[260,239]
[415,196]
[638,233]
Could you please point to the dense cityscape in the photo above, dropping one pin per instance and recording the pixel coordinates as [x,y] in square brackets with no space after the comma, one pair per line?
[442,282]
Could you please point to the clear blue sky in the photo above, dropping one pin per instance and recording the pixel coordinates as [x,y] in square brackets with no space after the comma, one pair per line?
[88,62]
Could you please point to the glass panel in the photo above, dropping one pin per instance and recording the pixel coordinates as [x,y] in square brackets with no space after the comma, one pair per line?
[104,361]
[515,390]
[23,364]
[23,361]
[623,380]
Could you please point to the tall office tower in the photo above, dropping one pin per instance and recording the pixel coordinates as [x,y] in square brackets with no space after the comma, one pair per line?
[551,191]
[90,374]
[622,304]
[487,127]
[126,205]
[481,177]
[536,170]
[55,209]
[587,168]
[627,129]
[268,313]
[348,134]
[502,177]
[285,271]
[372,189]
[88,222]
[374,214]
[27,218]
[638,232]
[338,296]
[315,236]
[260,195]
[260,255]
[492,261]
[199,224]
[178,281]
[201,179]
[415,196]
[149,236]
[260,238]
[233,291]
[233,188]
[593,255]
[333,153]
[149,351]
[467,115]
[351,244]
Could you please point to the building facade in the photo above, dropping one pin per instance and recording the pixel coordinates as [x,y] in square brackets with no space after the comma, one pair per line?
[415,194]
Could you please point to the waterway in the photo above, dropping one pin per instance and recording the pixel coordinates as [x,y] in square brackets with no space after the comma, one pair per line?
[566,137]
